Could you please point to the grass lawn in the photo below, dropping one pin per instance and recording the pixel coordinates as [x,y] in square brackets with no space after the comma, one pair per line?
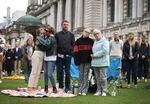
[126,96]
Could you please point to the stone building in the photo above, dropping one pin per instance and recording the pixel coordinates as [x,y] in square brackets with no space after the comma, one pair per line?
[110,16]
[80,13]
[126,16]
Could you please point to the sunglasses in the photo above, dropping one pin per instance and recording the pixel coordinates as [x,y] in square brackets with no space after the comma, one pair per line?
[47,30]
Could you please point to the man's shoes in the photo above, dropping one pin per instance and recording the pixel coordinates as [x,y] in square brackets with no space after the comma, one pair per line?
[83,94]
[97,94]
[103,94]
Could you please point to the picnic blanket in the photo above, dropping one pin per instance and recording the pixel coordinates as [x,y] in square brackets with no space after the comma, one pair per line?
[22,92]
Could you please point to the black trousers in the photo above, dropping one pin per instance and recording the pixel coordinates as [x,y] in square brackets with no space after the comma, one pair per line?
[63,65]
[143,68]
[132,66]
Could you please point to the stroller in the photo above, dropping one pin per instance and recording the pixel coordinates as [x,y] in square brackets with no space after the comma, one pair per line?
[114,76]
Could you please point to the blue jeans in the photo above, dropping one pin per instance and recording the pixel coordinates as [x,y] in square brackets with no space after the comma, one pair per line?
[27,71]
[48,72]
[63,64]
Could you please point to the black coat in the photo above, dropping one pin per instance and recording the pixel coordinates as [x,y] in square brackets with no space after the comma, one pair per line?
[52,48]
[9,62]
[65,42]
[126,50]
[143,50]
[82,50]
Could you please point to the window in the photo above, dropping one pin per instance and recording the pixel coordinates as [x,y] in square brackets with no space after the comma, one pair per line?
[63,9]
[129,11]
[112,10]
[148,5]
[83,6]
[72,14]
[40,2]
[55,15]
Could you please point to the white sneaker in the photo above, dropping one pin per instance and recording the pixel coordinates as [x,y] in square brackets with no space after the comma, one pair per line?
[80,93]
[0,81]
[135,86]
[103,94]
[139,80]
[97,94]
[83,94]
[145,80]
[128,86]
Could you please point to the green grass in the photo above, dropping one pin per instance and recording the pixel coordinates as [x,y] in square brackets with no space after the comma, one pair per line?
[126,96]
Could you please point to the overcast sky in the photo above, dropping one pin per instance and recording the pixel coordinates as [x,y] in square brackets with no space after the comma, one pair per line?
[13,4]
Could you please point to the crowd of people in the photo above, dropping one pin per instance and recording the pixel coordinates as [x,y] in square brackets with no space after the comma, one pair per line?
[51,49]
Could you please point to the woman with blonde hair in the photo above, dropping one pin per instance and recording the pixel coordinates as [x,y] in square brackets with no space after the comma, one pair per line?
[27,51]
[130,52]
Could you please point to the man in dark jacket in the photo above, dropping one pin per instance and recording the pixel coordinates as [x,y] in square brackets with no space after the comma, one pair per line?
[65,42]
[17,56]
[82,52]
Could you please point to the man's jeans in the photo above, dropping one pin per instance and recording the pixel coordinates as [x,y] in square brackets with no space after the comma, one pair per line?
[63,65]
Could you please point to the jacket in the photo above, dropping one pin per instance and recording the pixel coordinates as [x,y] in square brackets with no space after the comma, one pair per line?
[143,50]
[65,42]
[52,48]
[43,43]
[82,50]
[18,53]
[101,52]
[126,50]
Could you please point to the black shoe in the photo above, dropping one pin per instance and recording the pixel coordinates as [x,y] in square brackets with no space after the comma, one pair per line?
[46,89]
[54,90]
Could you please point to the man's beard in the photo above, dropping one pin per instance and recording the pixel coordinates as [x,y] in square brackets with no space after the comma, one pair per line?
[65,29]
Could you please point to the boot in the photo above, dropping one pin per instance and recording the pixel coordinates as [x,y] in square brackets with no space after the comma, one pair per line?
[46,89]
[54,90]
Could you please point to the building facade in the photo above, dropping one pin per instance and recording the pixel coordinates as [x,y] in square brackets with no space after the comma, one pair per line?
[110,16]
[80,13]
[125,16]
